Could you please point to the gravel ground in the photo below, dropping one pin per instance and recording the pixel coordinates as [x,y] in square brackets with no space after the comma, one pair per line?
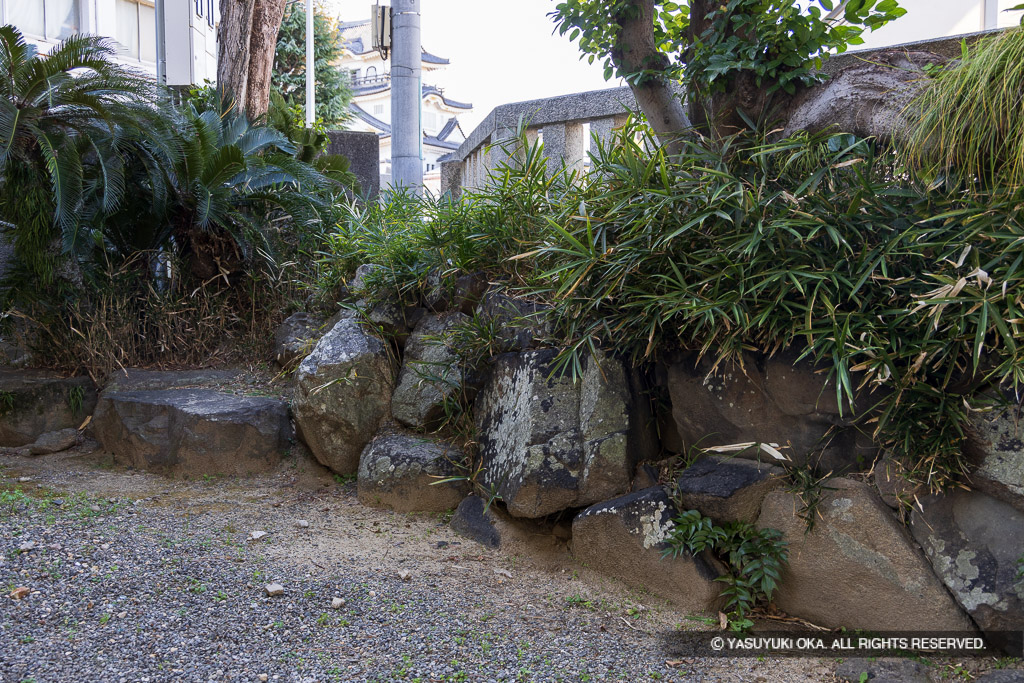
[133,577]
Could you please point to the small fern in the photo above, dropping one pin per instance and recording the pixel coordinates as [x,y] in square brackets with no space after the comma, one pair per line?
[754,558]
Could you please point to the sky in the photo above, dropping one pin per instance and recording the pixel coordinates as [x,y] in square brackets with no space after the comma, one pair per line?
[501,51]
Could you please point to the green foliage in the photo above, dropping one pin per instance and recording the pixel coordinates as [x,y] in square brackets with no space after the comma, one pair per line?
[309,142]
[76,398]
[333,92]
[6,403]
[775,40]
[968,125]
[909,299]
[69,123]
[754,559]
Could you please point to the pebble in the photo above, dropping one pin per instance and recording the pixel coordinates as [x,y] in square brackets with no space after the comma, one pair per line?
[302,524]
[337,603]
[27,546]
[263,677]
[257,535]
[405,575]
[274,589]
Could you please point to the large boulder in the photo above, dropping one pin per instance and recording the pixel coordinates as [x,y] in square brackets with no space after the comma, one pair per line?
[33,403]
[997,445]
[342,393]
[295,337]
[624,538]
[430,373]
[976,545]
[857,567]
[548,444]
[726,489]
[766,400]
[192,431]
[402,472]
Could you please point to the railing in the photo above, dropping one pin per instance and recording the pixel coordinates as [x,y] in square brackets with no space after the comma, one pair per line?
[559,121]
[363,81]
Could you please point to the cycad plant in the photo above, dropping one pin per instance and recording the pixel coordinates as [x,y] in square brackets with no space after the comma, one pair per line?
[68,121]
[231,183]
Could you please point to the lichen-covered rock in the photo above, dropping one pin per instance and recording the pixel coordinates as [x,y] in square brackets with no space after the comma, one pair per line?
[461,294]
[33,403]
[858,567]
[430,373]
[520,324]
[359,285]
[402,472]
[624,538]
[975,544]
[295,337]
[548,444]
[773,400]
[726,489]
[998,445]
[192,431]
[342,393]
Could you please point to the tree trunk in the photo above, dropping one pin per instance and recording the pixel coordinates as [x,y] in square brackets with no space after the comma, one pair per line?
[867,99]
[266,22]
[233,48]
[637,51]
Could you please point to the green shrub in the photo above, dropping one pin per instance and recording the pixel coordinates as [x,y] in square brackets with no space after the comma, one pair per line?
[754,559]
[910,299]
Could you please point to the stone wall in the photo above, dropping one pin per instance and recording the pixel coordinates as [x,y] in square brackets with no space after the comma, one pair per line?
[363,153]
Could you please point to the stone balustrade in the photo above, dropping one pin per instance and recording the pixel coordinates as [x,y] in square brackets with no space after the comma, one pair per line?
[560,121]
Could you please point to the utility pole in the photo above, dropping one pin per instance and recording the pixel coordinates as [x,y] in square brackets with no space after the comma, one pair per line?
[406,96]
[161,43]
[310,68]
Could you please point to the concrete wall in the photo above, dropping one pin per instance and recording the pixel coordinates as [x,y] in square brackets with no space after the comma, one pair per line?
[362,150]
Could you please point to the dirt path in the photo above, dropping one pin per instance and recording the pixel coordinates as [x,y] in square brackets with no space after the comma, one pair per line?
[398,574]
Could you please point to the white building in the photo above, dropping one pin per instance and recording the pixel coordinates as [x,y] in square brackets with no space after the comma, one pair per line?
[191,27]
[927,19]
[371,104]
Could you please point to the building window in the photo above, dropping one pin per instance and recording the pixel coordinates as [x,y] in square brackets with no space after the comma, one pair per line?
[378,109]
[50,19]
[136,29]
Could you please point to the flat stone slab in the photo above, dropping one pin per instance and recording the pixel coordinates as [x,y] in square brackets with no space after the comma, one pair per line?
[726,489]
[193,431]
[138,379]
[33,403]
